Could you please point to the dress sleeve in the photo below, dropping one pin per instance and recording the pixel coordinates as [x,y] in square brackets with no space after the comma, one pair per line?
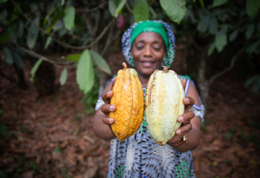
[100,101]
[198,110]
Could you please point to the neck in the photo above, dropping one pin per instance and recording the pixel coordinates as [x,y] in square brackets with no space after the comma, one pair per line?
[144,79]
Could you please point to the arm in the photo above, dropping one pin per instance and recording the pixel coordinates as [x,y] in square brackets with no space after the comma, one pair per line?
[102,122]
[190,123]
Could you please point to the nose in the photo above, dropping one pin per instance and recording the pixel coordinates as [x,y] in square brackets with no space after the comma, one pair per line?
[147,51]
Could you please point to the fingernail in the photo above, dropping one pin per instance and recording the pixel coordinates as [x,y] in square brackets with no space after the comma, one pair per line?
[181,119]
[178,132]
[112,108]
[109,93]
[111,120]
[186,100]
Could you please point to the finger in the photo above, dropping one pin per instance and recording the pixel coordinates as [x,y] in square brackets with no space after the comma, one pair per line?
[107,96]
[183,82]
[184,129]
[113,83]
[188,102]
[107,108]
[187,116]
[108,120]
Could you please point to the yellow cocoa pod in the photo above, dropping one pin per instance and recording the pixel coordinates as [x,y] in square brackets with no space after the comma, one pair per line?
[129,101]
[163,102]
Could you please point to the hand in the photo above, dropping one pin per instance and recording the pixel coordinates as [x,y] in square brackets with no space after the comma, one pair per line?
[107,107]
[184,119]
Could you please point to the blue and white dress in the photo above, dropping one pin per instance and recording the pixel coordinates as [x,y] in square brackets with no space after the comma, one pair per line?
[140,155]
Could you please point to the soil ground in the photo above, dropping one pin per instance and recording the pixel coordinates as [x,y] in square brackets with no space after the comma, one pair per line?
[51,136]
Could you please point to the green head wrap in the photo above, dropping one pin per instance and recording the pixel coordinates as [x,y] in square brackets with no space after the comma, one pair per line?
[150,26]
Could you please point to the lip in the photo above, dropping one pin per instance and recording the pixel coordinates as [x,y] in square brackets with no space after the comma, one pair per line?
[147,63]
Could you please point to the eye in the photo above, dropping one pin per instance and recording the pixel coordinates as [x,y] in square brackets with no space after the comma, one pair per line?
[139,47]
[156,48]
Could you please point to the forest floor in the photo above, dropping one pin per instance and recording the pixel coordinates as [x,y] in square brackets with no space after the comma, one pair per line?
[51,136]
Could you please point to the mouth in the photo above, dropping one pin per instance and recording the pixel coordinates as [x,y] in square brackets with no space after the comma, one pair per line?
[147,63]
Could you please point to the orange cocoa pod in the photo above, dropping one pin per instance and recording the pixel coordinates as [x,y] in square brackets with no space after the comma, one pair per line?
[129,100]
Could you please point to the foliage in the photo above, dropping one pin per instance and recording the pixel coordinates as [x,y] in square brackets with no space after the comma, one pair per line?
[30,29]
[255,81]
[87,34]
[91,97]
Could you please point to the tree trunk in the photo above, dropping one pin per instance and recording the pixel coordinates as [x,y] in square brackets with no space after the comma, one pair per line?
[44,78]
[21,81]
[203,83]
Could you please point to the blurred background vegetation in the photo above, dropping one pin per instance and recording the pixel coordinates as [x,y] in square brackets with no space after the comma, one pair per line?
[220,37]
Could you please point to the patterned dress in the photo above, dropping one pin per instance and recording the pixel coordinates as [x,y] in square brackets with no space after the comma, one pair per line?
[140,155]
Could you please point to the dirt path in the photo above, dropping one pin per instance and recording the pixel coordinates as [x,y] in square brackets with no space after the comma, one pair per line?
[52,136]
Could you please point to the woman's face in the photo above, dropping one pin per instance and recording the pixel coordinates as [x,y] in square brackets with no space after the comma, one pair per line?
[148,51]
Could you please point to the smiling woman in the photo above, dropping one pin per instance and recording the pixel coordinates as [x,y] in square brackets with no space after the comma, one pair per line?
[148,46]
[148,51]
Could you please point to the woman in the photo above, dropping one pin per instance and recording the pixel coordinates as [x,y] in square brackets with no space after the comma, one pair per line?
[148,46]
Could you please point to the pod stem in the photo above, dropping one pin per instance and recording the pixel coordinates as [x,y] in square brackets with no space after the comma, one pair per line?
[125,66]
[165,69]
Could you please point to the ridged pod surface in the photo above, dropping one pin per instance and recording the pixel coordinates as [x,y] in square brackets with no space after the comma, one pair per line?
[163,102]
[129,101]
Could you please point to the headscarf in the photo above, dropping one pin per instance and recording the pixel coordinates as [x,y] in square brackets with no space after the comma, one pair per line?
[149,26]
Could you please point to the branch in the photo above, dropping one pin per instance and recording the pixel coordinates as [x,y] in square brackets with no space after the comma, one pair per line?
[128,8]
[151,3]
[108,41]
[8,78]
[91,10]
[39,56]
[231,64]
[65,45]
[96,27]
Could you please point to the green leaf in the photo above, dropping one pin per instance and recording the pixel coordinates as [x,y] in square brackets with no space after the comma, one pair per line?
[252,7]
[211,49]
[58,25]
[223,31]
[201,3]
[116,6]
[251,80]
[85,72]
[34,69]
[213,26]
[250,30]
[62,2]
[233,35]
[100,62]
[141,10]
[219,2]
[252,47]
[33,33]
[4,37]
[49,14]
[55,19]
[17,59]
[112,7]
[63,76]
[69,17]
[2,1]
[48,41]
[203,24]
[256,86]
[175,9]
[20,29]
[8,56]
[73,57]
[221,42]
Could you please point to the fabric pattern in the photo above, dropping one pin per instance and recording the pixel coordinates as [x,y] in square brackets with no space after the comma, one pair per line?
[126,46]
[140,155]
